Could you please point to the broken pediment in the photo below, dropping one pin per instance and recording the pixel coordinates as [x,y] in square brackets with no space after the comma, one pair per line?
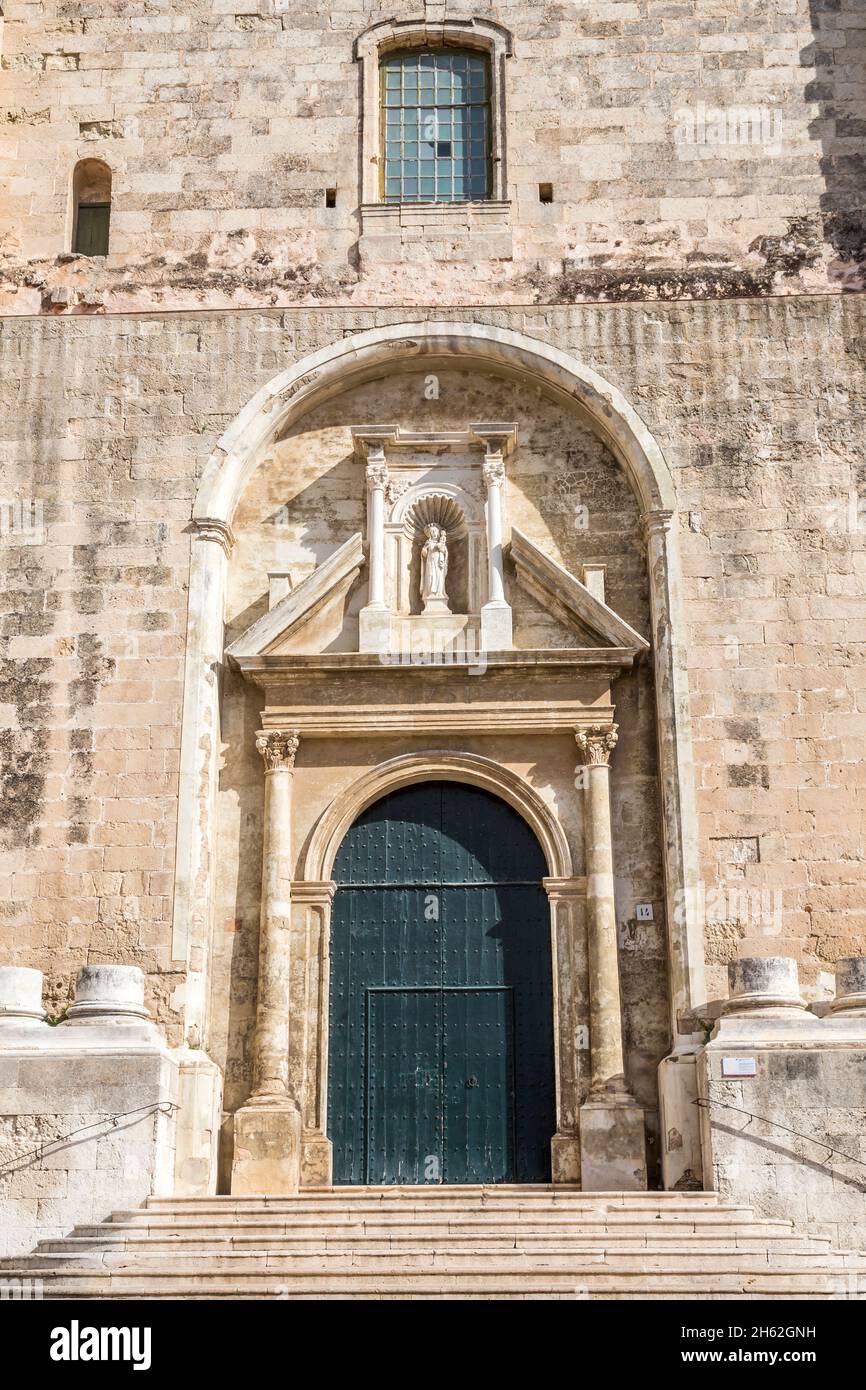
[570,601]
[327,586]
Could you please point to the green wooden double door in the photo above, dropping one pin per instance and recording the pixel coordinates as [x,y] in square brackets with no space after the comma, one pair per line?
[441,1016]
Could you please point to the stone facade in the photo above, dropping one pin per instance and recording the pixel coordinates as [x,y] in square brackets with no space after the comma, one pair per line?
[96,624]
[180,456]
[693,150]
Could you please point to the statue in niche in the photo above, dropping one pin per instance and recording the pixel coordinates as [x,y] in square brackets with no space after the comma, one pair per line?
[434,569]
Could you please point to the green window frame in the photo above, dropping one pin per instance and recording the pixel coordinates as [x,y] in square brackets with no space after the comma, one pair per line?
[436,126]
[91,229]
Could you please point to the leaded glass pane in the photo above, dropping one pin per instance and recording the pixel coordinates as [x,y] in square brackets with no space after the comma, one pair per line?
[436,126]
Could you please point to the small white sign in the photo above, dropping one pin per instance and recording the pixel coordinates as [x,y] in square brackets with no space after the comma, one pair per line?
[739,1066]
[644,912]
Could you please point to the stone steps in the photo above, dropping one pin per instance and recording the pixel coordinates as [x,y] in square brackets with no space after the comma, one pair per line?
[454,1221]
[451,1197]
[251,1263]
[391,1237]
[490,1243]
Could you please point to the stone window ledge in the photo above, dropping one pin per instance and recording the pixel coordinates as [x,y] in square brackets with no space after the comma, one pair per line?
[436,231]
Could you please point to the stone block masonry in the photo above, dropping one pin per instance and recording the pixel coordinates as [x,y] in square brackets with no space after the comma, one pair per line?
[694,150]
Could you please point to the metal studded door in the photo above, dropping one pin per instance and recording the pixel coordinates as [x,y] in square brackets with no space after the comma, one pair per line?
[441,1014]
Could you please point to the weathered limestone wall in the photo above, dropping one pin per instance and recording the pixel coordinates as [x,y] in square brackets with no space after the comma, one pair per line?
[760,410]
[708,147]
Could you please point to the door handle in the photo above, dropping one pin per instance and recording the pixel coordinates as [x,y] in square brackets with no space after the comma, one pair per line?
[471,1082]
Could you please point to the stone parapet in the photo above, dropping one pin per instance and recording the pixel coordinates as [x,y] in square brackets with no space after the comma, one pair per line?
[782,1096]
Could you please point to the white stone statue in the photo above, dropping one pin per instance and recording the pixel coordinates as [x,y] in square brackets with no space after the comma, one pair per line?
[434,568]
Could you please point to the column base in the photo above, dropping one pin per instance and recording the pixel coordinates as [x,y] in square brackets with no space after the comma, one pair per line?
[198,1124]
[565,1158]
[317,1161]
[267,1150]
[682,1168]
[612,1146]
[496,624]
[374,629]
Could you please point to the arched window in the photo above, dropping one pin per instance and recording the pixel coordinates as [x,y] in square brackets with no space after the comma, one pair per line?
[91,193]
[435,125]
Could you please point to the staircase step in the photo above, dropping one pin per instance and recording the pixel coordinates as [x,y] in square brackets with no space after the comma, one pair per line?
[503,1278]
[706,1217]
[452,1197]
[407,1261]
[372,1237]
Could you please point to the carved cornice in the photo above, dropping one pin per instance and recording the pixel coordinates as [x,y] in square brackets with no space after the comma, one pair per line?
[313,893]
[564,889]
[278,748]
[209,528]
[656,522]
[597,743]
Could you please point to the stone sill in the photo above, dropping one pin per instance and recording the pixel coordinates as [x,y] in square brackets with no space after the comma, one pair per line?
[436,231]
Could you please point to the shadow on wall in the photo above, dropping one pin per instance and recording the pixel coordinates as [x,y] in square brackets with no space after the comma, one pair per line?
[838,54]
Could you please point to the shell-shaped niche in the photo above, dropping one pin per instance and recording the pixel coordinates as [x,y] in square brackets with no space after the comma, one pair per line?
[436,509]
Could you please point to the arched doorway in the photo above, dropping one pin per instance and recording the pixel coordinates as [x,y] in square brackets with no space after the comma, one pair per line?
[441,1016]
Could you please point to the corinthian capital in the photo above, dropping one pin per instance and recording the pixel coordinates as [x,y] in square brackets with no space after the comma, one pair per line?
[278,748]
[493,470]
[597,743]
[377,474]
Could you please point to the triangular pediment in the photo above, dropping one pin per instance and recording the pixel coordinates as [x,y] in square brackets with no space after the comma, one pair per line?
[327,584]
[569,600]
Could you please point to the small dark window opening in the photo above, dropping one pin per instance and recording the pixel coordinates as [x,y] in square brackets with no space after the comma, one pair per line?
[91,194]
[91,232]
[545,192]
[330,197]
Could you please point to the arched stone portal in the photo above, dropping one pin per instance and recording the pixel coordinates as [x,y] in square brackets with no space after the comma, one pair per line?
[274,411]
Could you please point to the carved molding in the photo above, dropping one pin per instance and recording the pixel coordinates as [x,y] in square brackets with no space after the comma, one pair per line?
[597,743]
[493,471]
[209,528]
[278,748]
[655,522]
[377,474]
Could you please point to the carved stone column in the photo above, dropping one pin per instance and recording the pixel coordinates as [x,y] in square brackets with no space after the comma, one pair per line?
[496,627]
[212,544]
[612,1140]
[375,616]
[681,1159]
[268,1128]
[567,898]
[377,481]
[311,914]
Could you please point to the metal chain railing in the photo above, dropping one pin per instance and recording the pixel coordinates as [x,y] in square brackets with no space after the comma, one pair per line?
[160,1107]
[704,1103]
